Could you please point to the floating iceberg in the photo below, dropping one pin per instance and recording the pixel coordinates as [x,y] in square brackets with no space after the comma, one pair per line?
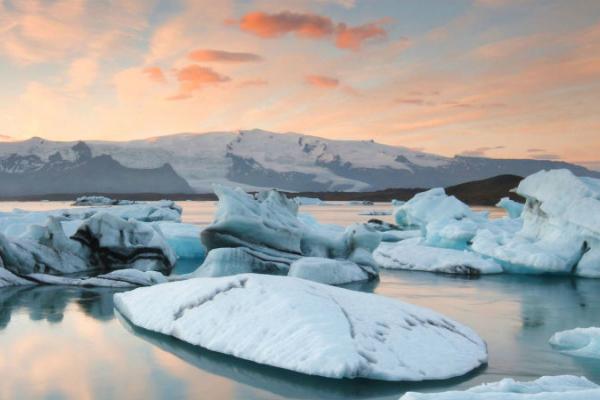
[328,271]
[581,342]
[15,223]
[265,234]
[360,203]
[443,220]
[564,387]
[307,327]
[513,208]
[103,242]
[410,254]
[560,233]
[375,213]
[309,201]
[184,239]
[100,201]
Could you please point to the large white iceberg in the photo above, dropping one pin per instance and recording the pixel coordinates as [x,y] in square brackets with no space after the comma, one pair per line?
[581,342]
[563,387]
[561,227]
[307,327]
[443,220]
[411,254]
[264,233]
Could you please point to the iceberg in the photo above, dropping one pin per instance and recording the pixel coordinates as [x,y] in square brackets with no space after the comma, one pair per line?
[443,220]
[273,236]
[411,254]
[513,208]
[560,233]
[328,271]
[581,342]
[375,213]
[102,243]
[15,223]
[563,387]
[115,243]
[307,327]
[100,201]
[183,238]
[308,201]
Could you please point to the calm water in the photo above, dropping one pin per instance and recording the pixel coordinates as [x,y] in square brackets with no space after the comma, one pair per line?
[67,343]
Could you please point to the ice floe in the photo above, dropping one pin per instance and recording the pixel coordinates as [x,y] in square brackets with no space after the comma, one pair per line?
[307,327]
[563,387]
[581,342]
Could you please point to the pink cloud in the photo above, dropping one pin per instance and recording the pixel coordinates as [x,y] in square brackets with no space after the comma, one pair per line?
[195,77]
[321,81]
[311,26]
[352,38]
[155,74]
[203,55]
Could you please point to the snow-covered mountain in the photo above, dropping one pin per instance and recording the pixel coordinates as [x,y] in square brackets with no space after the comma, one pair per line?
[252,159]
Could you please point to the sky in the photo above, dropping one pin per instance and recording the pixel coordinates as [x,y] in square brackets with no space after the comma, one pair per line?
[497,78]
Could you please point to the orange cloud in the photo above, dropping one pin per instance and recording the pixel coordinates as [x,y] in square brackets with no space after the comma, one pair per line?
[195,77]
[273,25]
[203,55]
[321,81]
[155,74]
[352,37]
[311,26]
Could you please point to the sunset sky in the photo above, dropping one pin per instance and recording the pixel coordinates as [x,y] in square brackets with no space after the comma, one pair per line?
[500,78]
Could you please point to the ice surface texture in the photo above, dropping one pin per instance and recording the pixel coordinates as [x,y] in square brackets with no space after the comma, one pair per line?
[564,387]
[307,327]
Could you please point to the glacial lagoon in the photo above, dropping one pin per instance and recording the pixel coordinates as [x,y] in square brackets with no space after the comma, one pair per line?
[68,343]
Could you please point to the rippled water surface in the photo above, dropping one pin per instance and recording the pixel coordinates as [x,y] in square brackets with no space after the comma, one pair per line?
[68,343]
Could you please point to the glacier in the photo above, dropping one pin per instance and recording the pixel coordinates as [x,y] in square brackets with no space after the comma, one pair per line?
[565,387]
[581,342]
[307,327]
[264,233]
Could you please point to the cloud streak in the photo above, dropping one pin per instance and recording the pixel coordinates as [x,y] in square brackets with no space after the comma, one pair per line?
[204,55]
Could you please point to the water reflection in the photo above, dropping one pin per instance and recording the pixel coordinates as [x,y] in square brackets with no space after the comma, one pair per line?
[66,343]
[279,381]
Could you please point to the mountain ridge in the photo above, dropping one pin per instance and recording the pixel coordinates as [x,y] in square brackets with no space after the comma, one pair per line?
[258,159]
